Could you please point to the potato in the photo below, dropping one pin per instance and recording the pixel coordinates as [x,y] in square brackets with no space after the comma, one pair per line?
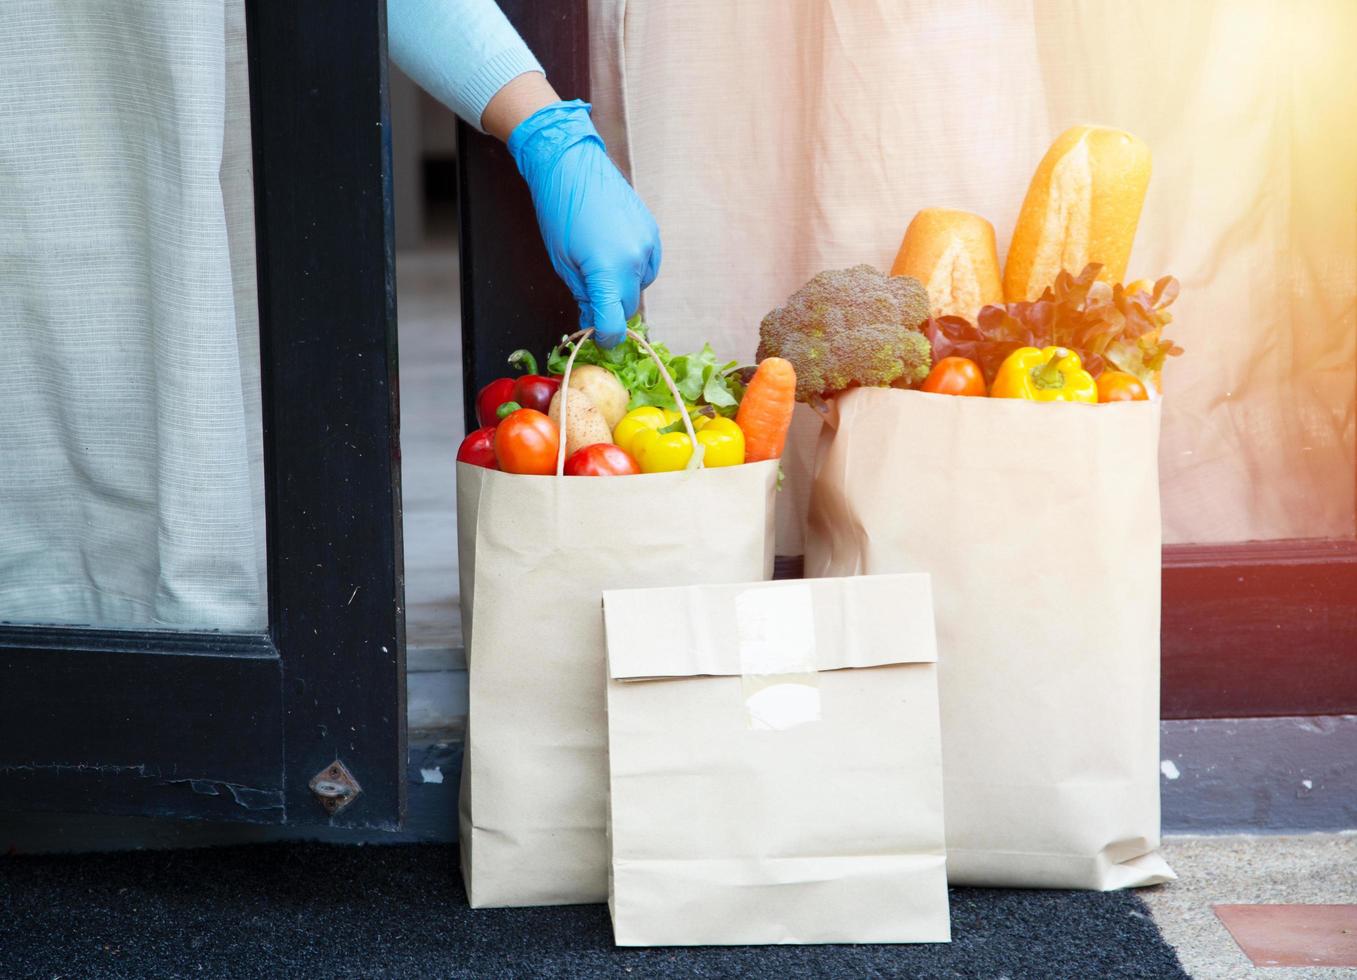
[585,426]
[607,393]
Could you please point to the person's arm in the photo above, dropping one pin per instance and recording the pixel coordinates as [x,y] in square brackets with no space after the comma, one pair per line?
[462,52]
[515,102]
[602,240]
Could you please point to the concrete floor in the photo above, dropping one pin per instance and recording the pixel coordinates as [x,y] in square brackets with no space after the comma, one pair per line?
[1310,869]
[430,345]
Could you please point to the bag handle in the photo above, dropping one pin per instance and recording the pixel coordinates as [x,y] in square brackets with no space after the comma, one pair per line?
[577,339]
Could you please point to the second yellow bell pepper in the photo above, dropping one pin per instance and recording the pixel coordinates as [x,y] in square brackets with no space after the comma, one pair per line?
[1046,374]
[661,452]
[649,417]
[639,434]
[723,441]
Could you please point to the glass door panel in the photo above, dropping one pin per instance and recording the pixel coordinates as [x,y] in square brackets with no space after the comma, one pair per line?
[132,488]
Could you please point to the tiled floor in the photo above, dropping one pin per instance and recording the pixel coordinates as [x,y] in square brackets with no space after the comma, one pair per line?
[1293,935]
[1312,870]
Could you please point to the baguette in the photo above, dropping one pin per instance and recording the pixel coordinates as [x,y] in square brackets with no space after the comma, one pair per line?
[1082,206]
[952,253]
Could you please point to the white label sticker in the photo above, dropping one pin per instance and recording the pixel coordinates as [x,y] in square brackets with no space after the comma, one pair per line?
[777,657]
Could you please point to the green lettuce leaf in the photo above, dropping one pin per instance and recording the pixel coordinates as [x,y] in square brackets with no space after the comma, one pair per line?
[701,378]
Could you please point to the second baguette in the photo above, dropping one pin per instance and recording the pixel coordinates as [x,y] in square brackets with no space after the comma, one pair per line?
[952,253]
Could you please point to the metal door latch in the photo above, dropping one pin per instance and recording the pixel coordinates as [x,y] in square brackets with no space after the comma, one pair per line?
[335,787]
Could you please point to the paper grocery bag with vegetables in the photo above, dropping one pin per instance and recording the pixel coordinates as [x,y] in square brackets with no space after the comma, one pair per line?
[540,536]
[1007,444]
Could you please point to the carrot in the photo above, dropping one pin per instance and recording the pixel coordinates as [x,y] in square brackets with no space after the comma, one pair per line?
[766,409]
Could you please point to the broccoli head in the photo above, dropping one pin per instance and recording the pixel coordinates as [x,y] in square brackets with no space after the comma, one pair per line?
[850,327]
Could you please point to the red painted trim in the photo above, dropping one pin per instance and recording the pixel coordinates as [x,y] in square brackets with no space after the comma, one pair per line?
[1260,628]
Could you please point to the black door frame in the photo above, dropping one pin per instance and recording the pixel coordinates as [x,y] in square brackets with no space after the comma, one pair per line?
[234,727]
[511,296]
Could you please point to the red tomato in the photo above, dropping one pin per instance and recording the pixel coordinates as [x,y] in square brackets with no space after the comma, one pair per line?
[526,442]
[478,449]
[1118,386]
[535,391]
[491,397]
[955,376]
[601,459]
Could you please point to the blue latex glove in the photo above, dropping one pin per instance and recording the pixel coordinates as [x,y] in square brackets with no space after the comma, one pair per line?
[602,240]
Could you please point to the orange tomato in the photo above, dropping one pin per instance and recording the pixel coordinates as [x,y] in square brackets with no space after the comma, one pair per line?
[955,376]
[526,441]
[1118,386]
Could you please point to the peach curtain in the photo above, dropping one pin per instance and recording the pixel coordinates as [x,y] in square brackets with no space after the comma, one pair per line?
[773,140]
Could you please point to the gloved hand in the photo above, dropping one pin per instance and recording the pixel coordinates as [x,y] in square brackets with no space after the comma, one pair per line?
[602,240]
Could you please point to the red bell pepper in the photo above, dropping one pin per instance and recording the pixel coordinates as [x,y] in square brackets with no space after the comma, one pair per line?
[478,449]
[491,397]
[532,390]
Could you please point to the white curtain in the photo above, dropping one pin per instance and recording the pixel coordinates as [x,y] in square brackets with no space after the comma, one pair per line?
[776,139]
[130,469]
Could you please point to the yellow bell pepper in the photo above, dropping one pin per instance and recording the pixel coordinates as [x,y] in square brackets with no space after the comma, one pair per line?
[1048,374]
[647,417]
[638,433]
[657,452]
[650,417]
[724,442]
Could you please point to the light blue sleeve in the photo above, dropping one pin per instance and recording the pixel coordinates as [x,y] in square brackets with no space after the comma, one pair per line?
[459,51]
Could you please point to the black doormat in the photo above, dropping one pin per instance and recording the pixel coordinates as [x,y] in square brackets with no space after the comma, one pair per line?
[320,910]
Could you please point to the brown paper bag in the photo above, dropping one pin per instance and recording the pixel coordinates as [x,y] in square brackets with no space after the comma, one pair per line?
[1039,524]
[775,772]
[536,553]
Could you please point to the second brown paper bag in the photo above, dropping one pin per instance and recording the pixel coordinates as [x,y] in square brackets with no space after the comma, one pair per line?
[1039,523]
